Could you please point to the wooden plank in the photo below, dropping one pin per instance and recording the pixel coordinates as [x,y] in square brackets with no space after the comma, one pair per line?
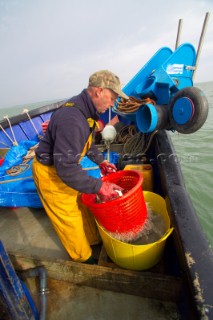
[103,259]
[144,284]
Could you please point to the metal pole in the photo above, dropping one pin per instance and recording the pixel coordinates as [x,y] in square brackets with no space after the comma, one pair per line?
[178,33]
[201,41]
[110,114]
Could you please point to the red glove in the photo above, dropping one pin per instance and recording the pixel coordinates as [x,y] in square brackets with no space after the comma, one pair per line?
[108,191]
[44,126]
[107,167]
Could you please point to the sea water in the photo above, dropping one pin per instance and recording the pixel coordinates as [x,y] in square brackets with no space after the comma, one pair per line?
[194,152]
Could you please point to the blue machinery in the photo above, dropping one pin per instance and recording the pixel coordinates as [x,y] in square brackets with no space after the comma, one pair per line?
[167,78]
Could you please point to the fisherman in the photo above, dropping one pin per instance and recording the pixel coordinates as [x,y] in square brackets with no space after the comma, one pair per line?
[57,172]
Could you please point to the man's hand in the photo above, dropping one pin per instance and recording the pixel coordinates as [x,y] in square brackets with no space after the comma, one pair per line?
[44,126]
[109,191]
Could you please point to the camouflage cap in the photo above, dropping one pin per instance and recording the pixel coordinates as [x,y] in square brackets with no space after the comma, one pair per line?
[107,79]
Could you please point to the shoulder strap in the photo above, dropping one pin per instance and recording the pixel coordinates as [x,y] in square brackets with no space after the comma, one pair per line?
[91,122]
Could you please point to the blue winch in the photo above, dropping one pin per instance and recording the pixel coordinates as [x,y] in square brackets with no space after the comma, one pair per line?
[167,79]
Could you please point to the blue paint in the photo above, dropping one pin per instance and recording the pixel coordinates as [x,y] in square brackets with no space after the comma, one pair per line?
[147,118]
[13,295]
[182,110]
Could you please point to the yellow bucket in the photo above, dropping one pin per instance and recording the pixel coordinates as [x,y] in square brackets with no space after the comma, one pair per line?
[147,172]
[139,257]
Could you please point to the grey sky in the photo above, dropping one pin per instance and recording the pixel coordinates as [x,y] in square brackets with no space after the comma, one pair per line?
[50,47]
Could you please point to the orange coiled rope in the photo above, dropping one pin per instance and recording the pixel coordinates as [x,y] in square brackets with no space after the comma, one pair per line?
[132,104]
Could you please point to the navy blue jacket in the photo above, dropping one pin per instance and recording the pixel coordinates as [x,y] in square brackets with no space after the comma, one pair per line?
[64,142]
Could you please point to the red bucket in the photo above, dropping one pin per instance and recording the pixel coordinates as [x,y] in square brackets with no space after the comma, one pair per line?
[126,213]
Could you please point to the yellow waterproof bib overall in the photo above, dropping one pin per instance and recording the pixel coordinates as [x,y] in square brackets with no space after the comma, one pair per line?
[74,224]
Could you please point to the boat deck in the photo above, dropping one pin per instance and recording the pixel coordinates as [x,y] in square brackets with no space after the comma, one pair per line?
[84,291]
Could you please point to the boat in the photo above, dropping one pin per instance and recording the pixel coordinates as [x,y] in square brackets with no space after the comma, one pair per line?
[180,285]
[184,275]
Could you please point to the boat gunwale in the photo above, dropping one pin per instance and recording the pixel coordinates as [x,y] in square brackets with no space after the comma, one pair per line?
[193,249]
